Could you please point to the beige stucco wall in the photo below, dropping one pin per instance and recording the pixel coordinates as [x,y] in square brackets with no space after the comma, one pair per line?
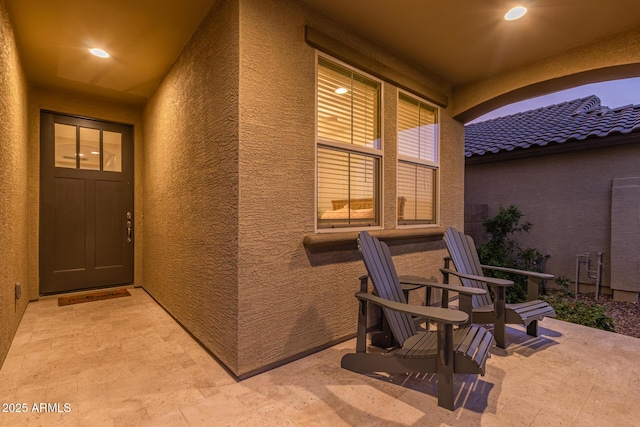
[614,57]
[290,301]
[14,160]
[566,196]
[229,189]
[86,106]
[191,186]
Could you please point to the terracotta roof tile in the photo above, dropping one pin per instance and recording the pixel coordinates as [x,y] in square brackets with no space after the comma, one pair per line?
[561,123]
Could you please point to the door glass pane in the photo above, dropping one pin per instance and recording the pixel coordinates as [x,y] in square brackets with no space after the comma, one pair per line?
[112,154]
[89,149]
[65,146]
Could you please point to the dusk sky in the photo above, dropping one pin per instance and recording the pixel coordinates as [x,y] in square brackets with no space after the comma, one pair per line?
[614,93]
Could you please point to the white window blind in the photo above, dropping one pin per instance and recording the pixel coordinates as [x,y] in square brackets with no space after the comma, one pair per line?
[417,129]
[349,147]
[417,160]
[416,183]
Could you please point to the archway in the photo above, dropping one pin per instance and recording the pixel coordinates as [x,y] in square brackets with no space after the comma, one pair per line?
[612,58]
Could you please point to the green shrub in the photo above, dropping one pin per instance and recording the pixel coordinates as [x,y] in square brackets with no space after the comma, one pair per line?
[503,251]
[575,311]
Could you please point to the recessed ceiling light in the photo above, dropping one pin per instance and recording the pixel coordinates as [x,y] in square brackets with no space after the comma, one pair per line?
[342,90]
[515,13]
[99,52]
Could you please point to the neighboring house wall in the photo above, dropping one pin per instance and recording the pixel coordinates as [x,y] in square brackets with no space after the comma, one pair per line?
[14,162]
[566,196]
[230,174]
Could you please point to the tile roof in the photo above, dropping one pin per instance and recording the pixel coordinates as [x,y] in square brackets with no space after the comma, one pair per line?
[576,120]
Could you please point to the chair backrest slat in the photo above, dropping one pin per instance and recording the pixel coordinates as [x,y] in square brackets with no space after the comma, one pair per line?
[465,258]
[384,277]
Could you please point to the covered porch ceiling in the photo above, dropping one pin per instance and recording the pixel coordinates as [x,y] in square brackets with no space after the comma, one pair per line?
[460,42]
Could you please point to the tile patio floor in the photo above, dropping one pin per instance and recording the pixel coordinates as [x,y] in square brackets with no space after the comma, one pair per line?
[126,362]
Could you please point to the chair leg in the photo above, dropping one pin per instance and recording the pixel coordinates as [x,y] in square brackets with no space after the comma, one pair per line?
[361,337]
[532,328]
[499,325]
[533,289]
[384,338]
[446,395]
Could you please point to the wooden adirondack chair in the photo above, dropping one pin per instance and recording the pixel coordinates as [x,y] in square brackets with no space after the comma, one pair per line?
[468,268]
[445,351]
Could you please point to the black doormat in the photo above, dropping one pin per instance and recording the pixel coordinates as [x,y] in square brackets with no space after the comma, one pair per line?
[95,296]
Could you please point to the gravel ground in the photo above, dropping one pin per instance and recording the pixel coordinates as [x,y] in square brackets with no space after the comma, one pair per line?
[626,315]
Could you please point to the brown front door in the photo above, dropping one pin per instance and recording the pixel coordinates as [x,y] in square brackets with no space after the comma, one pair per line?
[86,203]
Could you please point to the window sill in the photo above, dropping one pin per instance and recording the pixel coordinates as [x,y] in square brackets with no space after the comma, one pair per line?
[333,242]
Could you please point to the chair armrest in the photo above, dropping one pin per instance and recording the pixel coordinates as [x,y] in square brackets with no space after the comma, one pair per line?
[421,281]
[443,315]
[488,280]
[537,275]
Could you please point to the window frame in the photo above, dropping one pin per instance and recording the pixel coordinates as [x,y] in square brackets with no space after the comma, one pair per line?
[377,154]
[433,165]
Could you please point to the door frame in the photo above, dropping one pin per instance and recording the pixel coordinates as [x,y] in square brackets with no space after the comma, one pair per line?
[48,174]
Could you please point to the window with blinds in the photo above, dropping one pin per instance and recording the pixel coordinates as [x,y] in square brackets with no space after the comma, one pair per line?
[349,147]
[417,160]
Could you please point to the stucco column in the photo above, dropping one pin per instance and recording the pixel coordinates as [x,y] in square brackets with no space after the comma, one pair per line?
[625,239]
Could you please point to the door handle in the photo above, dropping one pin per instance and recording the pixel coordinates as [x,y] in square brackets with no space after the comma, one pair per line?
[129,227]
